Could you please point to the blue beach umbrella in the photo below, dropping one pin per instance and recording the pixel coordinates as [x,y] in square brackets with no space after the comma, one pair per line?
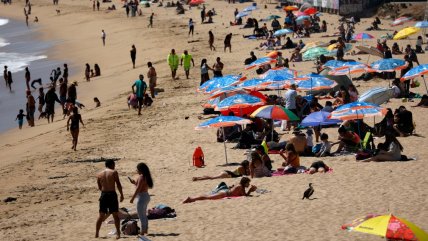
[422,24]
[254,84]
[301,18]
[279,74]
[420,70]
[221,122]
[313,81]
[260,62]
[388,65]
[242,14]
[219,82]
[239,101]
[227,91]
[282,32]
[319,118]
[249,8]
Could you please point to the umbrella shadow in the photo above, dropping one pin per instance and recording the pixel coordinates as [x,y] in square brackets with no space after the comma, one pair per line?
[229,164]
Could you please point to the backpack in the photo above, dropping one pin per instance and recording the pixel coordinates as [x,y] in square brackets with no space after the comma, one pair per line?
[198,157]
[130,227]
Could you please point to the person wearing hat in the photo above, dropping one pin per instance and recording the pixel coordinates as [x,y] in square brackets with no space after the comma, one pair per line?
[139,89]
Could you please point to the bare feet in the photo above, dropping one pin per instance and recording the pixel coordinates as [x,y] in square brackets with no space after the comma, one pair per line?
[117,236]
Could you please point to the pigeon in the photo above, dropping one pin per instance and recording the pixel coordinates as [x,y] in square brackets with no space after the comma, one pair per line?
[308,193]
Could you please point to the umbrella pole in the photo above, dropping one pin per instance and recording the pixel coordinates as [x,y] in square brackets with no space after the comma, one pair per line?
[272,130]
[224,143]
[368,59]
[425,83]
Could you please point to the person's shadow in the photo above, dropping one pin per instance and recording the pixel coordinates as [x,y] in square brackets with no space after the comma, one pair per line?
[163,234]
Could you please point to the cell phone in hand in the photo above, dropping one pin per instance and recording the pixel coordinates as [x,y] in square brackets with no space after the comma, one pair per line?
[130,179]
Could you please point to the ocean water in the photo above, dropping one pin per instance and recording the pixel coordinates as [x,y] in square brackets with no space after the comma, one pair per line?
[19,48]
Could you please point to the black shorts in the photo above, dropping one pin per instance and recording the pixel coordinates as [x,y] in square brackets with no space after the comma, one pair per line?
[140,101]
[108,202]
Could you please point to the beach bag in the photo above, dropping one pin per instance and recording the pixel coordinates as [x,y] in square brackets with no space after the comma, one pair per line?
[198,157]
[130,227]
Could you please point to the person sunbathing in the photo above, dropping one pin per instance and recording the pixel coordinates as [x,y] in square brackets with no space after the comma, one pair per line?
[318,166]
[233,191]
[242,170]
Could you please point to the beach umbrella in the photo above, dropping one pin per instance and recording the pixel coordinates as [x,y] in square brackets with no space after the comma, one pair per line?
[401,20]
[281,85]
[348,68]
[377,95]
[282,32]
[278,74]
[319,118]
[298,14]
[227,92]
[420,70]
[196,2]
[406,32]
[357,110]
[211,103]
[254,84]
[275,112]
[249,8]
[313,45]
[271,17]
[242,14]
[291,8]
[219,82]
[362,36]
[387,65]
[422,24]
[221,122]
[310,11]
[260,62]
[370,50]
[388,226]
[314,53]
[272,54]
[301,18]
[239,101]
[313,81]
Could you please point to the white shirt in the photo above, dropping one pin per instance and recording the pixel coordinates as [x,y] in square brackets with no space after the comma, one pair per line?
[325,147]
[103,34]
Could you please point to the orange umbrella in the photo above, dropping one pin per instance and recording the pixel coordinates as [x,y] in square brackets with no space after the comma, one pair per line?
[272,54]
[291,8]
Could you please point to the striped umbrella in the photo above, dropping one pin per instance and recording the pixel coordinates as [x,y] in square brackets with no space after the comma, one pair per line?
[313,81]
[260,62]
[226,92]
[349,68]
[275,112]
[278,74]
[219,82]
[401,20]
[254,84]
[420,70]
[357,110]
[221,122]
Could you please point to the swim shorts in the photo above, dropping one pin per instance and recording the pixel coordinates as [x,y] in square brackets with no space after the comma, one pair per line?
[108,202]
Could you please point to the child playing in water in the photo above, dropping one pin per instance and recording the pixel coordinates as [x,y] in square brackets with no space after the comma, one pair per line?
[20,118]
[234,191]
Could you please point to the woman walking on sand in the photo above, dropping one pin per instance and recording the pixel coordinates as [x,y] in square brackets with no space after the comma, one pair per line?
[142,185]
[75,119]
[211,40]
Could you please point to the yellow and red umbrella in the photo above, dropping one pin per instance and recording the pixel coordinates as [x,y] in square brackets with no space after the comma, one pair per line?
[388,226]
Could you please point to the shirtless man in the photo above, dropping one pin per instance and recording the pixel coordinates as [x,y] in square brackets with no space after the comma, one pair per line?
[107,180]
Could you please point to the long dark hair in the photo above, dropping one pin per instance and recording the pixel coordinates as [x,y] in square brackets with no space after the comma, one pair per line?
[144,169]
[389,138]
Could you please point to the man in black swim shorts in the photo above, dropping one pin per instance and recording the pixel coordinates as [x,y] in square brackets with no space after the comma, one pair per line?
[107,181]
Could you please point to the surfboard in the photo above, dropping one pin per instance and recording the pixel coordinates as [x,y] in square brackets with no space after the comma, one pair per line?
[378,95]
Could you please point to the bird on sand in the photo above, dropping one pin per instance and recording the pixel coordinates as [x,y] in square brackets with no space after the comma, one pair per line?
[308,193]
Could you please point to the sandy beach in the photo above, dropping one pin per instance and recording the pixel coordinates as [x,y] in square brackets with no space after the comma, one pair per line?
[56,189]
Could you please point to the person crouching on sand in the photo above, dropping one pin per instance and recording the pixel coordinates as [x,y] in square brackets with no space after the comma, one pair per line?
[233,191]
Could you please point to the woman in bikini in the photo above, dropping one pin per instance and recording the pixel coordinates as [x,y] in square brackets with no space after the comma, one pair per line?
[243,170]
[75,119]
[234,191]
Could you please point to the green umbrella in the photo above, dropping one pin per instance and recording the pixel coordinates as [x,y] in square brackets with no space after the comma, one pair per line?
[314,53]
[271,17]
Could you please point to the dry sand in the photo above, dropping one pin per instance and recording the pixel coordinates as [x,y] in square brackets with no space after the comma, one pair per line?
[56,187]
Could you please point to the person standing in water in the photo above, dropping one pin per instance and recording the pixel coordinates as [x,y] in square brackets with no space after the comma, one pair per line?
[75,119]
[133,55]
[107,181]
[142,185]
[9,80]
[27,78]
